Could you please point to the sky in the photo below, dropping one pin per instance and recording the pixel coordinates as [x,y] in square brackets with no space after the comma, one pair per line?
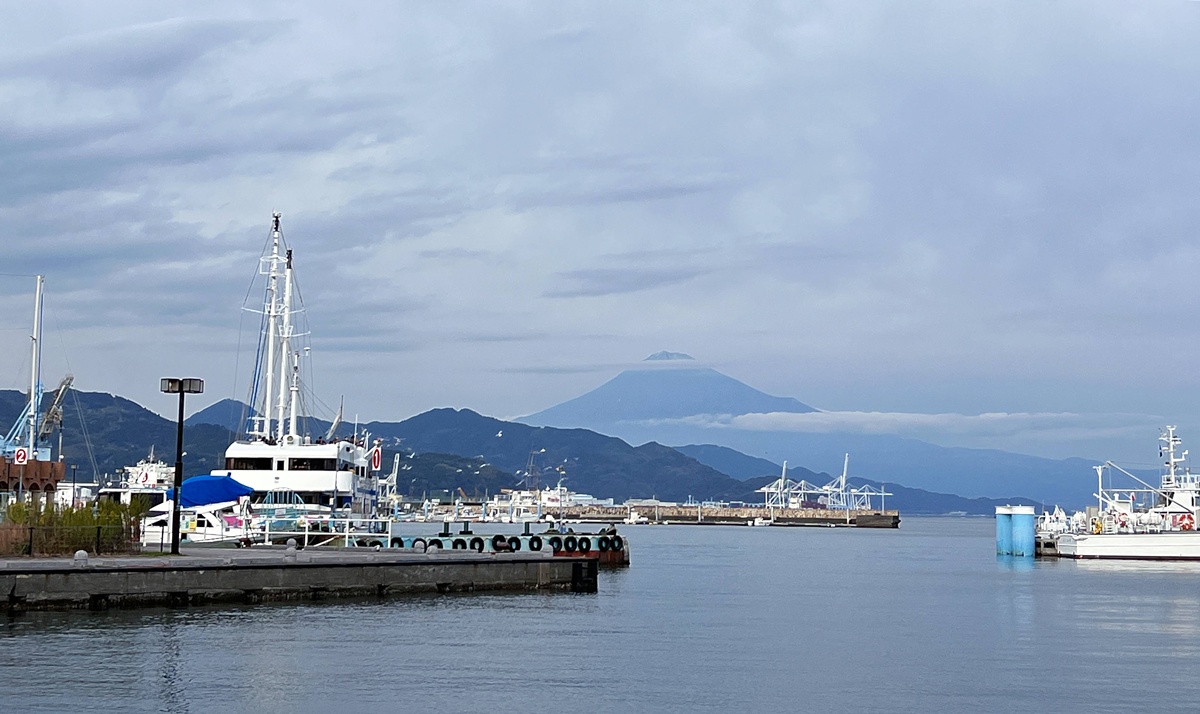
[972,222]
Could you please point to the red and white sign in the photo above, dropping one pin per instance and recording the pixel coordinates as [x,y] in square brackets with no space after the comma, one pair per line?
[21,456]
[376,458]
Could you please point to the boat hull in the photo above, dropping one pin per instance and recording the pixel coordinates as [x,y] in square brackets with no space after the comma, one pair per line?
[1131,546]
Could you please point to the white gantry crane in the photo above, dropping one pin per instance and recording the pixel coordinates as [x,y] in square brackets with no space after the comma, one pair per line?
[838,494]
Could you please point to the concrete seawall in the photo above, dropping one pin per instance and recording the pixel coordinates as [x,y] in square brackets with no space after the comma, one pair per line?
[211,576]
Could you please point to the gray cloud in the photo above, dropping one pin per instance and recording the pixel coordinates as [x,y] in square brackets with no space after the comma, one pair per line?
[611,281]
[848,203]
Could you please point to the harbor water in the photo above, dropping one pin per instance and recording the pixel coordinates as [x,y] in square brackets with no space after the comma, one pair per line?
[713,619]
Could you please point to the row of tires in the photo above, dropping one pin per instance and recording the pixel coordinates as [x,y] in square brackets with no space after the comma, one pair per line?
[556,543]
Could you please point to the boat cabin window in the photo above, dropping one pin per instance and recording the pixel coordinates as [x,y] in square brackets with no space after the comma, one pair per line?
[201,522]
[248,464]
[279,465]
[312,464]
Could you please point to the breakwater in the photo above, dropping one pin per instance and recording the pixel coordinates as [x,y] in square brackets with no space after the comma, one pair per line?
[725,515]
[210,576]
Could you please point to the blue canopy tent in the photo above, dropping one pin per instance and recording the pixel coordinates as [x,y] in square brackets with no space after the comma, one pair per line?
[203,490]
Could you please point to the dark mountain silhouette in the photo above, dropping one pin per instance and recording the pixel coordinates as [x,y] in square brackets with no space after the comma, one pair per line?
[730,461]
[601,465]
[445,449]
[228,413]
[102,433]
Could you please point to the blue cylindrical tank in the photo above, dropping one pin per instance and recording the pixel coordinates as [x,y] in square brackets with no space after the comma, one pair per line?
[1004,532]
[1024,525]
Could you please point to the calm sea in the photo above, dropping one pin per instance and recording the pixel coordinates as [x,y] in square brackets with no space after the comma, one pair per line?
[720,619]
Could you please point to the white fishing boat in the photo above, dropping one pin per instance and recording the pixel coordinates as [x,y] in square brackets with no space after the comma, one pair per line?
[1139,523]
[294,473]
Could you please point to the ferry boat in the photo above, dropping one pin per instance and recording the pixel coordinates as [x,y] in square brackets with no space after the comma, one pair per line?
[147,480]
[1139,523]
[294,474]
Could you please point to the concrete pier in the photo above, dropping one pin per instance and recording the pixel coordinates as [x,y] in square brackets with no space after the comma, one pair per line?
[740,516]
[206,575]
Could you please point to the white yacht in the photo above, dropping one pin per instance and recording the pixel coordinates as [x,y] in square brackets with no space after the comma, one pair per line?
[292,472]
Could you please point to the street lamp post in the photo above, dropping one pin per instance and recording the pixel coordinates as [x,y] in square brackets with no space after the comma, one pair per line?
[180,387]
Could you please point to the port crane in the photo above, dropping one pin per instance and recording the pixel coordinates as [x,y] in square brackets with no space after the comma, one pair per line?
[838,494]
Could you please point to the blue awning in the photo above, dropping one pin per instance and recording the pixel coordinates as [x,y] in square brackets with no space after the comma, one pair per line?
[203,490]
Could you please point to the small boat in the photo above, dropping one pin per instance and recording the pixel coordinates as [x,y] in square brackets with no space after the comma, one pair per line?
[213,509]
[225,523]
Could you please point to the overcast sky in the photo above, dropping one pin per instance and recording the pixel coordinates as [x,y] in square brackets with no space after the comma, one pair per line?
[941,209]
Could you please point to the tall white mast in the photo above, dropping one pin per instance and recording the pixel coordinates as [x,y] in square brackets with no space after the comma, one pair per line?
[35,366]
[285,347]
[272,308]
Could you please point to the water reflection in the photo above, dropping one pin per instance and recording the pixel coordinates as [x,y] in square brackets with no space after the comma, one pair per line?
[909,621]
[1012,563]
[170,672]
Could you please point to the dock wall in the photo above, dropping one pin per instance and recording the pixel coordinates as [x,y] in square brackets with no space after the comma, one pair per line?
[143,582]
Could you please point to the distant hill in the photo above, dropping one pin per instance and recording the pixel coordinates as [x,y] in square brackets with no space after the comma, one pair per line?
[601,465]
[447,449]
[115,432]
[732,462]
[679,403]
[228,413]
[910,501]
